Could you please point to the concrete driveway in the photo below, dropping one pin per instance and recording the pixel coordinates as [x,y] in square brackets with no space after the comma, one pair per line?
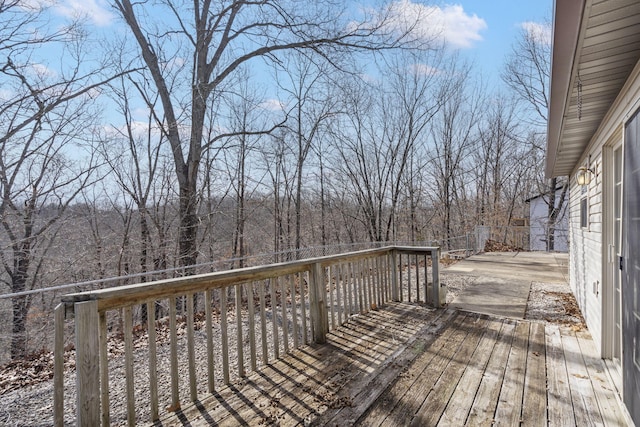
[504,279]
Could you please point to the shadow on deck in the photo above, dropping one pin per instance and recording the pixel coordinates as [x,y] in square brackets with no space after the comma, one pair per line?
[408,364]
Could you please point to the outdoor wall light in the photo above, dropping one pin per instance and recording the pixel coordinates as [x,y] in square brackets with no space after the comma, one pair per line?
[583,177]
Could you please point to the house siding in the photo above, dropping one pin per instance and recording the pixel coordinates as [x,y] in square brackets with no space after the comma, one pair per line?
[588,245]
[585,252]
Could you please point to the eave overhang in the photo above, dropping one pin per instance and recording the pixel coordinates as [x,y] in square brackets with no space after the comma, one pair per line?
[596,45]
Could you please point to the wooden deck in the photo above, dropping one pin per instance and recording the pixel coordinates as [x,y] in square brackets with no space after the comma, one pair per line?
[408,364]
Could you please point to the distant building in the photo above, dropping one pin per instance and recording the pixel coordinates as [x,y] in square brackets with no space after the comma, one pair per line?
[539,224]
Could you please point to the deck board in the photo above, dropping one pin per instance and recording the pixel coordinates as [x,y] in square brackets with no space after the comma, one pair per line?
[534,401]
[459,405]
[407,364]
[486,399]
[439,396]
[509,408]
[560,410]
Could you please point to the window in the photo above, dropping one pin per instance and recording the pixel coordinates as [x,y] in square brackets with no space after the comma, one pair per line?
[584,213]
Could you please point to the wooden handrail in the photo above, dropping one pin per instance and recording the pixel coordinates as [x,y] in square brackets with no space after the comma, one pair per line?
[313,295]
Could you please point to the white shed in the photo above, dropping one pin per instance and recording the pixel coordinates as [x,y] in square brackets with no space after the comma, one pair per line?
[539,224]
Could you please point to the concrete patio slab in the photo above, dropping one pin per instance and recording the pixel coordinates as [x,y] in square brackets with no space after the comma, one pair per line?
[504,280]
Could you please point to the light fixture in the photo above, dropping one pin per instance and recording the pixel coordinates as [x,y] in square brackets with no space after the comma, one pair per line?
[583,176]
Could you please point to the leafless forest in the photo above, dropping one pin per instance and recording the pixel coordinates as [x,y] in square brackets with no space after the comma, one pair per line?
[202,132]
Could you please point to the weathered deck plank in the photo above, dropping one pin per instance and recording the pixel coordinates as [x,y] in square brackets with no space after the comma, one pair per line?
[424,373]
[602,387]
[406,364]
[366,390]
[559,395]
[486,399]
[585,406]
[459,405]
[438,397]
[406,380]
[315,375]
[509,409]
[534,402]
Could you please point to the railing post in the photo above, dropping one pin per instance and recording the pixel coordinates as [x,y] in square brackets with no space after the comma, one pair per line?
[318,306]
[58,367]
[87,363]
[435,264]
[394,277]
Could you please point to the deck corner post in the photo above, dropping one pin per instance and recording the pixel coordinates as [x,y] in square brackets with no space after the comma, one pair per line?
[394,275]
[435,264]
[58,366]
[318,306]
[87,363]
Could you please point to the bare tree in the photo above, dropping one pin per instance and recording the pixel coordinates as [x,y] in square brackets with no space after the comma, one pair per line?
[313,102]
[454,135]
[247,121]
[219,37]
[384,124]
[501,163]
[527,72]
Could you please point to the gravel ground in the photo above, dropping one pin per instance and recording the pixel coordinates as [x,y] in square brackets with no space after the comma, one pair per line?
[32,405]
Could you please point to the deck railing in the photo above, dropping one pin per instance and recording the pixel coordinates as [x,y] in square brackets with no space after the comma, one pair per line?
[206,330]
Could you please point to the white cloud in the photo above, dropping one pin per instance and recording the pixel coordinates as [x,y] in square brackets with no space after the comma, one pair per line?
[42,70]
[94,10]
[449,23]
[272,105]
[538,31]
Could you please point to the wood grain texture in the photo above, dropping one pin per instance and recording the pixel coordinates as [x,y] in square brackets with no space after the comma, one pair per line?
[87,361]
[408,364]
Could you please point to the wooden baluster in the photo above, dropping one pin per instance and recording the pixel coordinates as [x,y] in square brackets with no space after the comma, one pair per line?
[153,360]
[323,288]
[338,281]
[239,339]
[380,283]
[252,325]
[263,324]
[274,319]
[370,285]
[191,358]
[208,314]
[173,343]
[294,311]
[418,280]
[359,285]
[224,335]
[104,371]
[285,317]
[396,290]
[303,301]
[352,293]
[426,278]
[435,259]
[409,284]
[128,366]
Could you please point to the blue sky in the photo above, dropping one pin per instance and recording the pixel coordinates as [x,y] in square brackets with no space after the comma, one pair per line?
[484,29]
[504,20]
